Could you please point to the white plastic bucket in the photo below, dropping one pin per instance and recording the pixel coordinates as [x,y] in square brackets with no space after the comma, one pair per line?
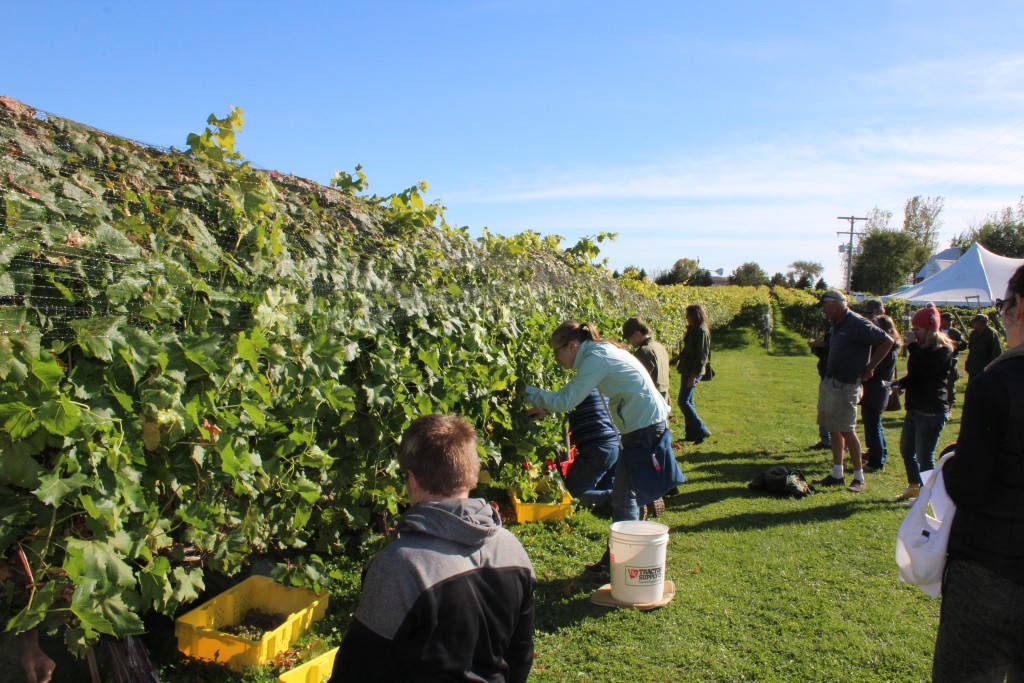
[638,561]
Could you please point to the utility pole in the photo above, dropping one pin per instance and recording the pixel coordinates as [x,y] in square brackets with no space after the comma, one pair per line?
[849,249]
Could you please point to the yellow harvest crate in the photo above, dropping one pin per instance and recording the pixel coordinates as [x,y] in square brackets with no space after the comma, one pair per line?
[316,670]
[541,512]
[199,632]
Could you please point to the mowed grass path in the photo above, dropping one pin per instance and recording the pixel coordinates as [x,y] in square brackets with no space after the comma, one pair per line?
[767,589]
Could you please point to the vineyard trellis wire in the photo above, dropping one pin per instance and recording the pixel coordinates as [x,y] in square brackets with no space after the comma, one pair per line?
[201,360]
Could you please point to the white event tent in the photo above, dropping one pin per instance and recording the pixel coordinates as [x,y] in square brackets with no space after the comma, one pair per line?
[975,279]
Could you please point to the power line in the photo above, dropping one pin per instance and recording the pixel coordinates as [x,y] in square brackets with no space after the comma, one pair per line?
[979,150]
[958,169]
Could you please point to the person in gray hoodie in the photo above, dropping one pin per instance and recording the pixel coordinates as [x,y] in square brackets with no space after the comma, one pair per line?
[453,597]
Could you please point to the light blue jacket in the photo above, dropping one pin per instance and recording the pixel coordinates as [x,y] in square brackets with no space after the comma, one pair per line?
[633,400]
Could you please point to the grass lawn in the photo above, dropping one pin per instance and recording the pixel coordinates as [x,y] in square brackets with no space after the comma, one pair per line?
[767,589]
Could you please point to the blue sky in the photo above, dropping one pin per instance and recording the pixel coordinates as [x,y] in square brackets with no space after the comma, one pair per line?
[729,131]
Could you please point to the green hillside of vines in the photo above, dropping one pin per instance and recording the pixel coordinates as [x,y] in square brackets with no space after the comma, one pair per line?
[202,361]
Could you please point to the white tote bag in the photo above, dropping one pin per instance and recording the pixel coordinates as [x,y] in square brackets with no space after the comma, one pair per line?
[922,539]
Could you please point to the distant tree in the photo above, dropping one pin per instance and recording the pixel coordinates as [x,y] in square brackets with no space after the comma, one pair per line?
[616,274]
[822,285]
[703,279]
[888,257]
[877,219]
[683,272]
[805,282]
[748,273]
[778,280]
[810,269]
[1001,233]
[634,273]
[921,221]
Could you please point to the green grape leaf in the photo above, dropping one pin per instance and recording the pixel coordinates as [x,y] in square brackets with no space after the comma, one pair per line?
[53,488]
[60,417]
[96,561]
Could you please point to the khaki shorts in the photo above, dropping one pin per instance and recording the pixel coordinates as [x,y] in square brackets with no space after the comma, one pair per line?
[837,405]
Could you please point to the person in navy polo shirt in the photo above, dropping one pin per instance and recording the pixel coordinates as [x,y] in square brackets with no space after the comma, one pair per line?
[856,347]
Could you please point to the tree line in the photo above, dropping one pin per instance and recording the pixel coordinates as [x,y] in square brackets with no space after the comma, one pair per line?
[886,257]
[687,271]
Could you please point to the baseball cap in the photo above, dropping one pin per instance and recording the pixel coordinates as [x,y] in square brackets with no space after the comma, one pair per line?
[831,295]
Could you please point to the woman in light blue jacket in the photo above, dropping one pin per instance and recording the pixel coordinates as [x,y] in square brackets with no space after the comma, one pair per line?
[647,469]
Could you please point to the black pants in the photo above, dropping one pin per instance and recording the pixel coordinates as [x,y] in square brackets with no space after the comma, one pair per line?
[981,629]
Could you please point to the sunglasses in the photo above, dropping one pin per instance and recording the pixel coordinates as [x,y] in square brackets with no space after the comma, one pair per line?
[1003,305]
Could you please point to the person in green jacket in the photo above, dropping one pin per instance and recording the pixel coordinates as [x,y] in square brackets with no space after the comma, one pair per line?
[693,356]
[651,354]
[983,346]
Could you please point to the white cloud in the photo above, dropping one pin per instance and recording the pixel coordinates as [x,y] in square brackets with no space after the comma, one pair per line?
[831,165]
[960,82]
[944,132]
[771,203]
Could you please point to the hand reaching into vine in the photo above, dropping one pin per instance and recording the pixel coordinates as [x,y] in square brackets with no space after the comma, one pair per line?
[37,664]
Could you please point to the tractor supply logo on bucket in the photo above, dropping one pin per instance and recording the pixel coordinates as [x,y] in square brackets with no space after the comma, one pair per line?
[643,576]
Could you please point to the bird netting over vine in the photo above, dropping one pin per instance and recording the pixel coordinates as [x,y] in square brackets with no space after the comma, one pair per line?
[201,360]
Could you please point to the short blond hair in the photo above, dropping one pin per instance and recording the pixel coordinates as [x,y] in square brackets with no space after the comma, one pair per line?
[441,451]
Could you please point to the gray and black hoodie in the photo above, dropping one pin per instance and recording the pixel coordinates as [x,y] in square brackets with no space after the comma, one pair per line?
[450,600]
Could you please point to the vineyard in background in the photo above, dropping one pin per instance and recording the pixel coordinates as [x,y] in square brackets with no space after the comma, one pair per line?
[202,361]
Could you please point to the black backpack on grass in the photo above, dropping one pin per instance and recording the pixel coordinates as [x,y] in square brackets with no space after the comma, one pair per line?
[779,480]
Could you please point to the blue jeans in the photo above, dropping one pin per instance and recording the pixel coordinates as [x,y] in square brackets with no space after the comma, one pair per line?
[872,405]
[647,470]
[874,435]
[824,436]
[917,442]
[624,507]
[695,428]
[591,474]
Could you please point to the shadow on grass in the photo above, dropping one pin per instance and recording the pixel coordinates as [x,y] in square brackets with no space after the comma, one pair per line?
[732,339]
[786,343]
[698,499]
[845,507]
[735,467]
[740,334]
[566,602]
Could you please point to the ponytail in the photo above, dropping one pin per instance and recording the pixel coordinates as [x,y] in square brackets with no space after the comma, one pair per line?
[570,330]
